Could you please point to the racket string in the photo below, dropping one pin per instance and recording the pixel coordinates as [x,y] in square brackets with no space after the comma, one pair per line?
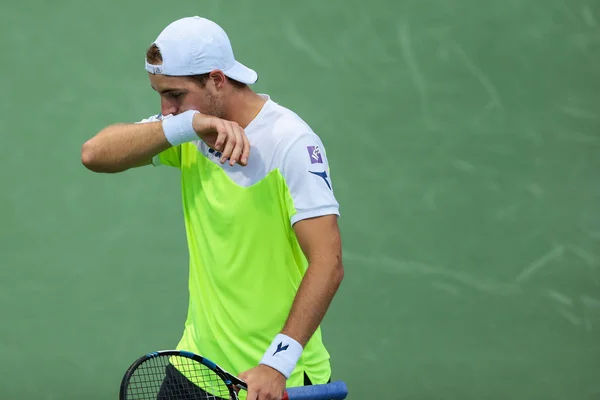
[175,378]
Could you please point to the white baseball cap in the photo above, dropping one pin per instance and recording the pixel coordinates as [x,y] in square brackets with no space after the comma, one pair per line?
[194,46]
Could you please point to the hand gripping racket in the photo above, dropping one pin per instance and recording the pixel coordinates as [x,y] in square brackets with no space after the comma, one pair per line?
[181,375]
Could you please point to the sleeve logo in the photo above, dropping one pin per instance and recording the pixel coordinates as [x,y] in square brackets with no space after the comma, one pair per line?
[315,155]
[322,175]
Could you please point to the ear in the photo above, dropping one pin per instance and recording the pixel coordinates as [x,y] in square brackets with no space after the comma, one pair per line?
[218,78]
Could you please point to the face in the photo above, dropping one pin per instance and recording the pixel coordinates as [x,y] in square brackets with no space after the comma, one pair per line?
[180,94]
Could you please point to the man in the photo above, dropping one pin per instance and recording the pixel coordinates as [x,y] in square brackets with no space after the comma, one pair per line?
[260,213]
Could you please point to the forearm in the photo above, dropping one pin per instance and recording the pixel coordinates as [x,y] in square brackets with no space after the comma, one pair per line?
[119,147]
[317,289]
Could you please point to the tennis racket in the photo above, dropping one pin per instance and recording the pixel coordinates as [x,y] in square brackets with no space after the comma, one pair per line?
[182,375]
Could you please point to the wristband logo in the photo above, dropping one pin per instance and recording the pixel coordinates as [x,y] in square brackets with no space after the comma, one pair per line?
[281,347]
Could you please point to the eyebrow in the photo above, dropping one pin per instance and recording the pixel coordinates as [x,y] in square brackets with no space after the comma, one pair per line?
[166,90]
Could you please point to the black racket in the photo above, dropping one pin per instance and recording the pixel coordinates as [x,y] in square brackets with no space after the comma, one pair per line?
[181,375]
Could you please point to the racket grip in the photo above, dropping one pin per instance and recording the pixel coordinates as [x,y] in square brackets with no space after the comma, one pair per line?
[329,391]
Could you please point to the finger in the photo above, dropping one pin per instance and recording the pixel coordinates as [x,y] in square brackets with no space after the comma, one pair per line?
[239,145]
[277,396]
[226,153]
[246,150]
[222,131]
[252,395]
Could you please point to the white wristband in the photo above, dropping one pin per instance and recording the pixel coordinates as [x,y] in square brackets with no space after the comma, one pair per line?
[179,129]
[283,354]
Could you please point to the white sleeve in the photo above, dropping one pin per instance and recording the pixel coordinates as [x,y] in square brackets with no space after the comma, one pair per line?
[153,118]
[306,172]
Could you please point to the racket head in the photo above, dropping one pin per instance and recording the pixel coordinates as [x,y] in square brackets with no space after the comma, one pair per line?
[164,372]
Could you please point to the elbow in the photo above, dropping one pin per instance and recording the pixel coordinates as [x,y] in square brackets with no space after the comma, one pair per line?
[338,273]
[89,157]
[92,160]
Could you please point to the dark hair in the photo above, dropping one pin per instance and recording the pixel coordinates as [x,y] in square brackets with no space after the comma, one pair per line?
[154,57]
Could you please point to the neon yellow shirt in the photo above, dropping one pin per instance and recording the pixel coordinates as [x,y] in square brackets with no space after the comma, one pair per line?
[245,261]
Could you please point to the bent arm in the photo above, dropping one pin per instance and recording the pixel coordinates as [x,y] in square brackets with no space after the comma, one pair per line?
[120,147]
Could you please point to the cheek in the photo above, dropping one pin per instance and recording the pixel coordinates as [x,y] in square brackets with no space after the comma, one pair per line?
[199,103]
[168,105]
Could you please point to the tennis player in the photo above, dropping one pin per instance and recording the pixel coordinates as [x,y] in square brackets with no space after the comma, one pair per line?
[259,208]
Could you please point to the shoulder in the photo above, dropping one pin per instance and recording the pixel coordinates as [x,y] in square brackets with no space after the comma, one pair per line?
[302,161]
[287,129]
[298,150]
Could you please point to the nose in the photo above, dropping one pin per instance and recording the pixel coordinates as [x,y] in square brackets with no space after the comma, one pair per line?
[166,107]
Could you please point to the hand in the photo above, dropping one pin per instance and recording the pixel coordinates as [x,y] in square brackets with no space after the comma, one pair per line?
[264,383]
[224,136]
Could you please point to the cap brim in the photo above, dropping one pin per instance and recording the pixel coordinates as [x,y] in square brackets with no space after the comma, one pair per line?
[241,73]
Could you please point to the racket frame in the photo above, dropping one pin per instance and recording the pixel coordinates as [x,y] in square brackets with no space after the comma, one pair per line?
[229,380]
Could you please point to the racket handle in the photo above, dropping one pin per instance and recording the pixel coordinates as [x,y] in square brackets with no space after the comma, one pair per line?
[329,391]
